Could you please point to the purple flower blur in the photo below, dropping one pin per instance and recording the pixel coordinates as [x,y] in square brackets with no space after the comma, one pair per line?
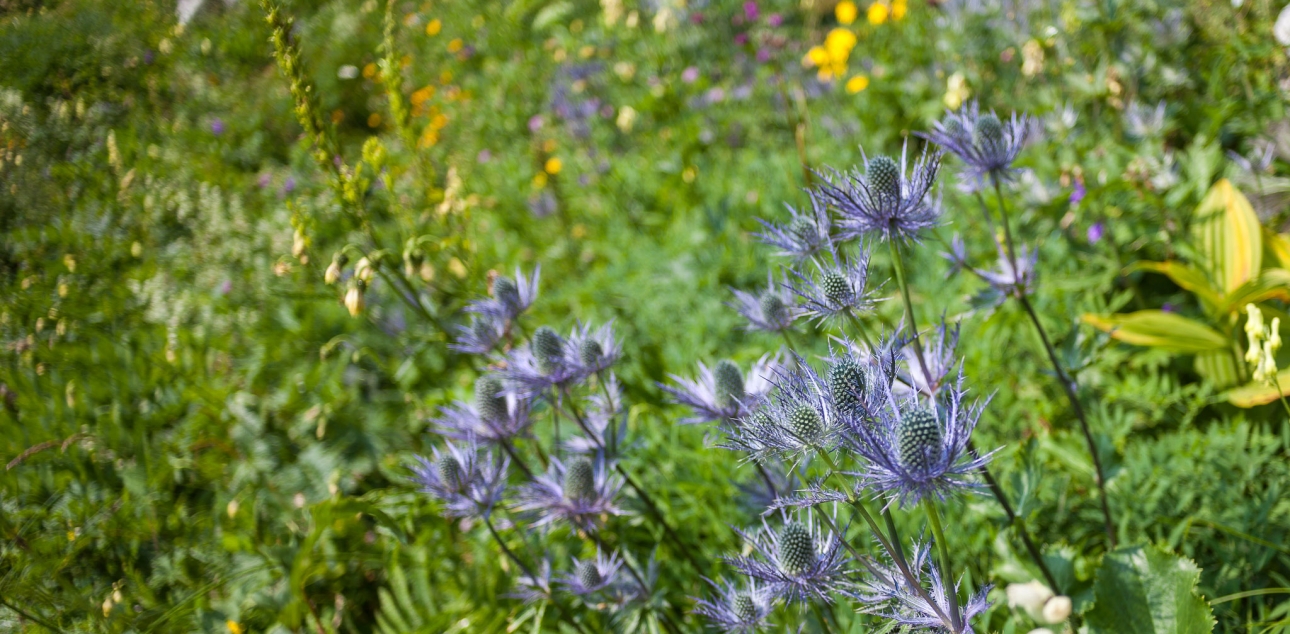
[775,20]
[1095,232]
[690,75]
[1078,192]
[217,126]
[751,12]
[535,123]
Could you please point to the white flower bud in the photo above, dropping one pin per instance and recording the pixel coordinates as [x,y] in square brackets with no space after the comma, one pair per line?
[364,270]
[1057,609]
[332,274]
[354,300]
[1028,596]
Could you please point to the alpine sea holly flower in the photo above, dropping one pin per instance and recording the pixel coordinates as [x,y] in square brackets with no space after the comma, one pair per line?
[539,365]
[772,311]
[493,416]
[892,201]
[836,291]
[909,603]
[721,393]
[735,610]
[939,356]
[480,336]
[535,587]
[589,576]
[1011,280]
[805,235]
[798,563]
[510,297]
[987,145]
[909,450]
[578,493]
[589,352]
[794,422]
[468,483]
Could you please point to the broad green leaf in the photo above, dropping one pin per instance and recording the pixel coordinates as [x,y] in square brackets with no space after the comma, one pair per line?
[1145,590]
[1218,367]
[1185,276]
[1159,329]
[1271,284]
[1228,234]
[1256,394]
[1278,244]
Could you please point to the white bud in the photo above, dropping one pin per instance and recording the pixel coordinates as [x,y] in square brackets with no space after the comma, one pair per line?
[1057,609]
[1028,596]
[332,274]
[364,270]
[1040,630]
[354,300]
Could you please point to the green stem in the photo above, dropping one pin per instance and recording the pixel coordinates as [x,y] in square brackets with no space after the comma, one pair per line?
[1280,394]
[789,341]
[640,492]
[1069,386]
[947,574]
[1003,215]
[1015,521]
[824,623]
[899,264]
[855,323]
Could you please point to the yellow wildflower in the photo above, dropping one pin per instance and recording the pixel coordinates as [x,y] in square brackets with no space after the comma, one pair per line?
[553,166]
[878,13]
[433,27]
[846,12]
[898,9]
[857,84]
[956,91]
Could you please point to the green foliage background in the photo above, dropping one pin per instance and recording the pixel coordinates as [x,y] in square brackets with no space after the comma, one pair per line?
[199,437]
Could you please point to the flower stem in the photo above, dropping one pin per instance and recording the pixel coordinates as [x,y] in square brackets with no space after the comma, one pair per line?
[947,575]
[864,334]
[1015,521]
[1280,394]
[511,554]
[789,341]
[1068,384]
[640,492]
[899,265]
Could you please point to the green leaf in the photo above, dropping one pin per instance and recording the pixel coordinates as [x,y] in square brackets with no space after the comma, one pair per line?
[1218,367]
[1228,233]
[1187,277]
[1256,394]
[1159,329]
[1145,590]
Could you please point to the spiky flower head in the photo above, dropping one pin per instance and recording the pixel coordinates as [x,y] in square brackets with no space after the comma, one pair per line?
[771,310]
[890,200]
[605,429]
[591,351]
[729,383]
[735,610]
[492,416]
[919,599]
[909,450]
[712,395]
[590,576]
[838,290]
[535,586]
[987,145]
[468,483]
[579,493]
[510,296]
[1014,277]
[548,349]
[939,357]
[805,235]
[798,562]
[847,385]
[480,336]
[795,421]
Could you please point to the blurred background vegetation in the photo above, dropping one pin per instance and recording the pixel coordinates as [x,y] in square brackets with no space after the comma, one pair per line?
[198,436]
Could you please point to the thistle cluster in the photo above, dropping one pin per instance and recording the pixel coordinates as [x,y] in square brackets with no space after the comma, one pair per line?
[882,422]
[538,441]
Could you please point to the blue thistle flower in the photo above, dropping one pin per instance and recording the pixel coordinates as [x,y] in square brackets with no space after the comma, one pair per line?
[541,364]
[494,416]
[939,353]
[1009,281]
[480,336]
[888,200]
[987,145]
[773,310]
[510,297]
[795,421]
[536,587]
[589,576]
[735,610]
[805,235]
[797,563]
[895,597]
[578,493]
[590,352]
[909,451]
[836,290]
[469,485]
[716,396]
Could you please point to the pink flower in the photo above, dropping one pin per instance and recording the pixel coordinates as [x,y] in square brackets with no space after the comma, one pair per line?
[741,39]
[775,19]
[750,11]
[690,75]
[763,55]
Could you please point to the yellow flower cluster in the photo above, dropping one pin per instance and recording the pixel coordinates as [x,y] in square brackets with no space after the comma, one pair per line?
[881,11]
[1264,343]
[831,58]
